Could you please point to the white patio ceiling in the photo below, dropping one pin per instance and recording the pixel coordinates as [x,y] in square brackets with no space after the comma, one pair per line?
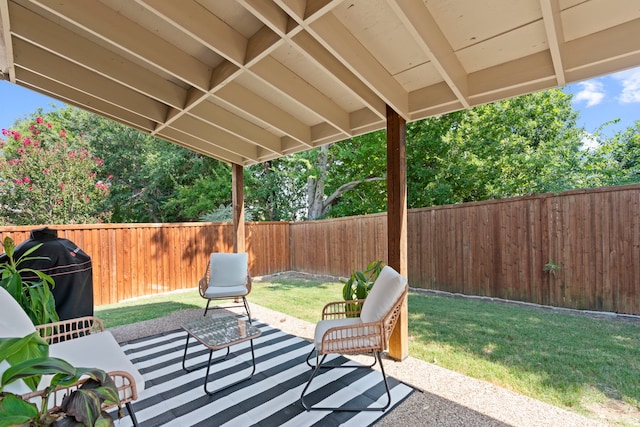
[246,81]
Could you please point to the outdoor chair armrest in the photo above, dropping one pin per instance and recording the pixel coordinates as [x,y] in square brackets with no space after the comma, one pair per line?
[65,330]
[342,309]
[352,339]
[123,381]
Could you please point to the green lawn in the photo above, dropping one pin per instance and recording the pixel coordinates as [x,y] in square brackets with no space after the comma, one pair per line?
[566,360]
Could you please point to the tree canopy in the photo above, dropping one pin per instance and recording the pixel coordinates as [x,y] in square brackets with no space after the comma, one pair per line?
[525,145]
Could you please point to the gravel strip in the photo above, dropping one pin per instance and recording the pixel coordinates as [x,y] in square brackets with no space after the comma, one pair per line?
[442,397]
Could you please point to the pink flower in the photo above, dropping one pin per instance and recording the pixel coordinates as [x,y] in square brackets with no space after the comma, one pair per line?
[49,125]
[16,135]
[63,133]
[26,180]
[46,171]
[39,120]
[5,132]
[110,176]
[61,187]
[18,181]
[26,142]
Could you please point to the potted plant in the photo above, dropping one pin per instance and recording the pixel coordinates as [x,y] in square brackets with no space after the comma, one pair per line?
[35,297]
[29,360]
[358,285]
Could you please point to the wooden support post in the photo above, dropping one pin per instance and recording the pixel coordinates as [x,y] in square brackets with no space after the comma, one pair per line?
[397,221]
[237,183]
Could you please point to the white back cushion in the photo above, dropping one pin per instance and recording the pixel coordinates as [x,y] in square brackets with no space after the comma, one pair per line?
[14,322]
[228,269]
[385,291]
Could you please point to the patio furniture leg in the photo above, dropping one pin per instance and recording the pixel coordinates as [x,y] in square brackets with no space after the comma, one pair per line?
[206,376]
[206,308]
[184,358]
[345,408]
[132,414]
[246,307]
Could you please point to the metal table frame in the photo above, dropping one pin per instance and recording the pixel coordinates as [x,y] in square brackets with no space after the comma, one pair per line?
[217,333]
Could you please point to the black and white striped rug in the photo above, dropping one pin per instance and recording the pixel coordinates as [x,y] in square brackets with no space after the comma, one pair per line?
[270,398]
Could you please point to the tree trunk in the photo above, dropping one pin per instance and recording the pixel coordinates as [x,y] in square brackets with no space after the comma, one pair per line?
[315,185]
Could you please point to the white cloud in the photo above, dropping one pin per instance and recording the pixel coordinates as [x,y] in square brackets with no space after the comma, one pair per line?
[592,93]
[630,81]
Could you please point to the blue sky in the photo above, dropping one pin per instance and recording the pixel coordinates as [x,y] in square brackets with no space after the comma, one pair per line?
[597,100]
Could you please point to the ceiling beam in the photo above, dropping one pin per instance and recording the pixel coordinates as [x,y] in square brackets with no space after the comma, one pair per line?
[127,36]
[225,120]
[338,40]
[7,70]
[529,74]
[197,128]
[276,19]
[55,68]
[244,101]
[199,24]
[555,37]
[341,74]
[290,84]
[64,43]
[201,146]
[80,99]
[604,52]
[426,32]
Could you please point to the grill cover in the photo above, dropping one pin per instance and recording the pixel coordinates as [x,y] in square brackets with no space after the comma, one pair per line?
[67,264]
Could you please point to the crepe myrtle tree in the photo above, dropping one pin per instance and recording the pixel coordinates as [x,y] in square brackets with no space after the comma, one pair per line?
[49,177]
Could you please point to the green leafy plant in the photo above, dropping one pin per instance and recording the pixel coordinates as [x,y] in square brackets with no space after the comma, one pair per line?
[551,267]
[29,360]
[34,297]
[358,285]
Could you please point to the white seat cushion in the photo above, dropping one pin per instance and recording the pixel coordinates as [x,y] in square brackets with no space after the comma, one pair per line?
[99,350]
[226,291]
[228,269]
[385,291]
[14,322]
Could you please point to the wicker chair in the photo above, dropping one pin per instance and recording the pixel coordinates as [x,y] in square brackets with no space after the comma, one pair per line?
[82,342]
[226,278]
[356,327]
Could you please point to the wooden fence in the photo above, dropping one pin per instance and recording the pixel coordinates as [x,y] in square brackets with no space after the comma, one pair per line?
[578,249]
[132,260]
[589,242]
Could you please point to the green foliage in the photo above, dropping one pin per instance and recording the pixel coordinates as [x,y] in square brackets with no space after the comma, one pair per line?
[359,284]
[276,189]
[48,176]
[35,298]
[16,350]
[357,159]
[152,180]
[29,360]
[224,213]
[525,145]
